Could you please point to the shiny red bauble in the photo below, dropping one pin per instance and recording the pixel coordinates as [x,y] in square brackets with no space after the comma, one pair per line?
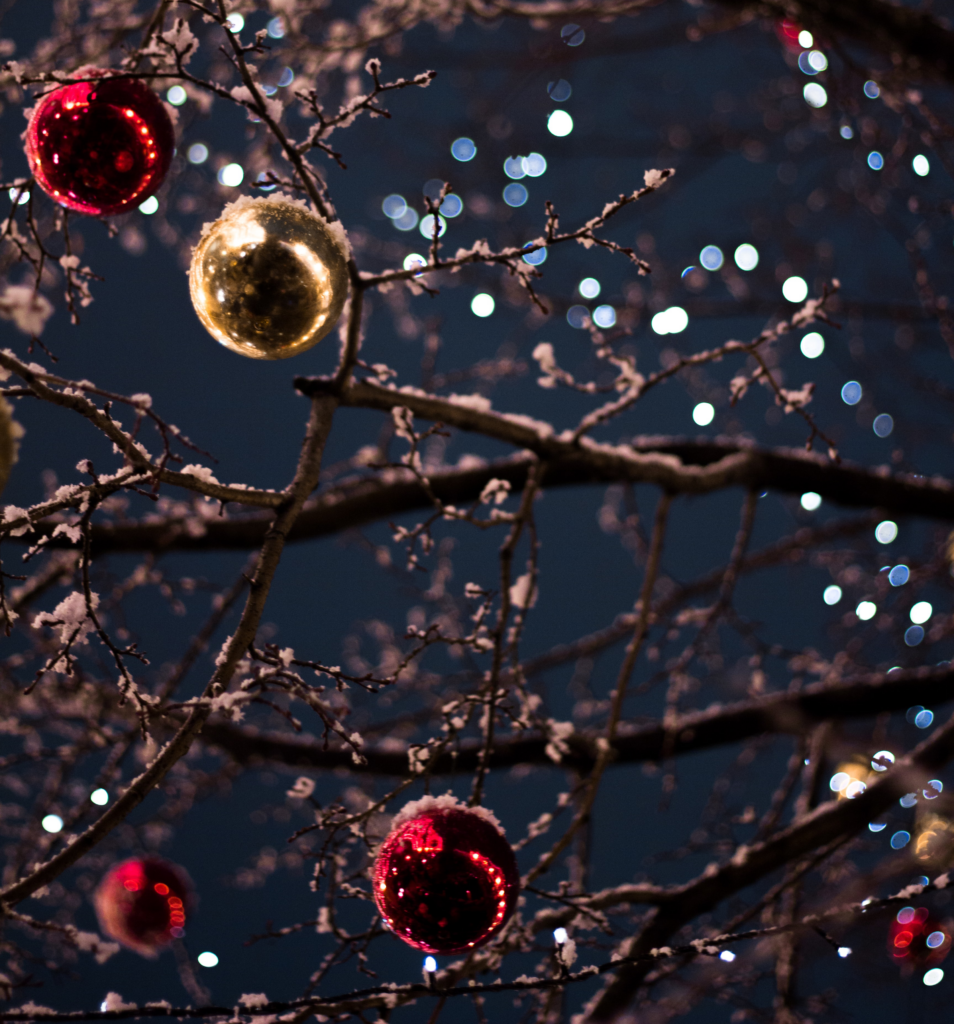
[100,147]
[143,903]
[916,940]
[445,879]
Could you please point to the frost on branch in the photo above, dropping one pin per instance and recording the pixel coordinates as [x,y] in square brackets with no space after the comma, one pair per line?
[70,619]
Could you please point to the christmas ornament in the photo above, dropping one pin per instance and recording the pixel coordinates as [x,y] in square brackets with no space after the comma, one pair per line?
[143,902]
[916,940]
[269,278]
[10,432]
[100,147]
[445,879]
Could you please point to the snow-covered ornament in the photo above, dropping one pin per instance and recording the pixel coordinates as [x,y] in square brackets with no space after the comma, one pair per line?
[10,432]
[100,147]
[269,278]
[446,879]
[143,903]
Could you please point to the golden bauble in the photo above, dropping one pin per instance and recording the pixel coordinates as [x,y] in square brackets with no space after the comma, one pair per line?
[269,278]
[10,433]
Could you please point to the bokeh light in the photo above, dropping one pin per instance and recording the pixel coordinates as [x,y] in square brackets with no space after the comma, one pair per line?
[276,28]
[463,149]
[427,225]
[559,123]
[921,612]
[149,206]
[482,304]
[924,718]
[235,23]
[559,91]
[812,345]
[589,287]
[875,160]
[746,257]
[99,797]
[177,95]
[197,153]
[52,823]
[872,90]
[673,320]
[513,167]
[832,594]
[604,316]
[703,414]
[393,205]
[851,393]
[866,610]
[207,959]
[795,289]
[515,194]
[232,175]
[430,964]
[886,531]
[882,760]
[536,257]
[534,164]
[810,501]
[711,257]
[900,839]
[933,977]
[883,425]
[815,95]
[899,575]
[921,165]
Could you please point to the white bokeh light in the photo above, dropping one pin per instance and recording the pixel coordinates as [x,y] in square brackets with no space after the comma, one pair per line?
[232,175]
[832,594]
[559,123]
[795,289]
[52,823]
[921,165]
[812,345]
[99,797]
[866,610]
[886,531]
[933,977]
[482,304]
[810,501]
[673,320]
[746,257]
[921,612]
[703,414]
[149,206]
[207,959]
[815,95]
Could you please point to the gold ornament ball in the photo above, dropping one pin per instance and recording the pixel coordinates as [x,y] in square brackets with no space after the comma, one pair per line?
[10,433]
[269,278]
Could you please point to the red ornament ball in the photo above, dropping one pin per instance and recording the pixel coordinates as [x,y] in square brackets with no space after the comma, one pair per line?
[100,147]
[143,903]
[445,879]
[916,940]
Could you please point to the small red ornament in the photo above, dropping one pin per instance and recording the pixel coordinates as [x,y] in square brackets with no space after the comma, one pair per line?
[445,879]
[142,903]
[916,940]
[100,147]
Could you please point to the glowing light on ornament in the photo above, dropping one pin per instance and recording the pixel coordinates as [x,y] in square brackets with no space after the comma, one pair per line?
[100,147]
[446,879]
[269,278]
[143,904]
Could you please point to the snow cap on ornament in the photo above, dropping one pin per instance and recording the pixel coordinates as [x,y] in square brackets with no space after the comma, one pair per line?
[445,879]
[100,147]
[269,278]
[143,904]
[10,433]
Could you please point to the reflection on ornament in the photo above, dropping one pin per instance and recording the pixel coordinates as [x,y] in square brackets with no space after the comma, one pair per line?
[445,879]
[100,147]
[142,903]
[916,940]
[10,432]
[269,278]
